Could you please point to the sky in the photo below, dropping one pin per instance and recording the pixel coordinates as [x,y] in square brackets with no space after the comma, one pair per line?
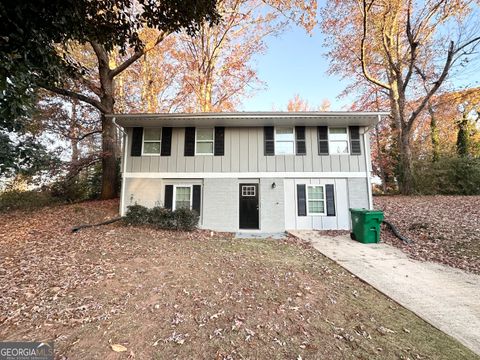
[294,64]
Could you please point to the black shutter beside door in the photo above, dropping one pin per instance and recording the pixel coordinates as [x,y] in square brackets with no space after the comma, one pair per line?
[355,148]
[137,138]
[269,139]
[301,200]
[196,198]
[189,149]
[166,141]
[168,203]
[322,132]
[301,146]
[330,199]
[219,148]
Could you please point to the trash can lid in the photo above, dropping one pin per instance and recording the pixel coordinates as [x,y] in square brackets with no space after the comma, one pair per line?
[365,211]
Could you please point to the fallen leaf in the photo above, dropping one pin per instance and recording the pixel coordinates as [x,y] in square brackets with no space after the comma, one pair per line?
[118,348]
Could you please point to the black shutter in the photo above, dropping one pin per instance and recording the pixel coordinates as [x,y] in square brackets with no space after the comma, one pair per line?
[219,141]
[330,197]
[166,141]
[196,198]
[355,148]
[137,137]
[189,149]
[301,200]
[269,139]
[322,132]
[168,197]
[301,146]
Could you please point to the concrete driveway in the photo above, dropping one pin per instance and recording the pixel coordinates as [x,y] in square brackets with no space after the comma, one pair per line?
[447,298]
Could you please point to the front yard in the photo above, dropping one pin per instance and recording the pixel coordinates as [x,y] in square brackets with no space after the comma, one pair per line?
[191,295]
[445,229]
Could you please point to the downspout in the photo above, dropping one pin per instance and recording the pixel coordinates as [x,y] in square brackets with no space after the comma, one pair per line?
[368,166]
[124,166]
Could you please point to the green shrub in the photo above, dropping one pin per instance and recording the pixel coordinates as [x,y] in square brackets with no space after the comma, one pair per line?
[25,200]
[94,180]
[161,218]
[137,215]
[70,190]
[448,176]
[186,219]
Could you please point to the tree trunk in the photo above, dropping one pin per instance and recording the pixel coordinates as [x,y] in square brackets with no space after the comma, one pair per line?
[74,133]
[462,136]
[109,148]
[406,179]
[109,159]
[75,151]
[434,134]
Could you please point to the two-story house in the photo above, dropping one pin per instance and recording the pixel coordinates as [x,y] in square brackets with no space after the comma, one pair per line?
[266,171]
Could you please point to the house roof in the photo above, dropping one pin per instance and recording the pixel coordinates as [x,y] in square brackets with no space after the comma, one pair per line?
[249,119]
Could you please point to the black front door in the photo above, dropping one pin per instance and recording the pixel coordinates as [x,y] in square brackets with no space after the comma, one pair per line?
[248,206]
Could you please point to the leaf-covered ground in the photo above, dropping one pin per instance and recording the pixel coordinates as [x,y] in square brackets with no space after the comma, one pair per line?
[444,229]
[118,292]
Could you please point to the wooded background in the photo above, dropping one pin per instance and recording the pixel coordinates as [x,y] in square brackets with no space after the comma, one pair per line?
[65,65]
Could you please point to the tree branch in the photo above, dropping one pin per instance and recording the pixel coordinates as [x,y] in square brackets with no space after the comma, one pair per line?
[101,53]
[363,50]
[123,66]
[413,48]
[137,55]
[80,138]
[78,166]
[95,103]
[468,43]
[436,85]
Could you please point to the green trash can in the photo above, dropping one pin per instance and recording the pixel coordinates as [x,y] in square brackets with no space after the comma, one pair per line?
[366,225]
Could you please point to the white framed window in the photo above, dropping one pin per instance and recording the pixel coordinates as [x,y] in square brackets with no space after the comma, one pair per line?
[315,200]
[338,141]
[152,140]
[248,190]
[285,140]
[204,141]
[182,196]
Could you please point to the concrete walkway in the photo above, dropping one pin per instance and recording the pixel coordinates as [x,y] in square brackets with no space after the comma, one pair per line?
[447,298]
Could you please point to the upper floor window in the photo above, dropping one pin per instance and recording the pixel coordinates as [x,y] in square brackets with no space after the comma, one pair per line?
[152,138]
[204,141]
[284,141]
[338,140]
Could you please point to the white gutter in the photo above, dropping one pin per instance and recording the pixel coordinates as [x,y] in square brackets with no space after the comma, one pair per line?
[265,114]
[124,164]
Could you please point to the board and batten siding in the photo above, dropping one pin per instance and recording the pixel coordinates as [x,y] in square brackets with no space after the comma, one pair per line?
[244,152]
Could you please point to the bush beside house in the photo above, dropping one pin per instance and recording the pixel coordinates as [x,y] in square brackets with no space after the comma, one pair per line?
[162,218]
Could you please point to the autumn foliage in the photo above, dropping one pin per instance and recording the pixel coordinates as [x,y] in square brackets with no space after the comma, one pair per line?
[399,56]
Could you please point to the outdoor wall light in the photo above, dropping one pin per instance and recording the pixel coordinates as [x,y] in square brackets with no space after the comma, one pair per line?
[274,185]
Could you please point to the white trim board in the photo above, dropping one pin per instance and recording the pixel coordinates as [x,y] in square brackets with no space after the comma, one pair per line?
[243,175]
